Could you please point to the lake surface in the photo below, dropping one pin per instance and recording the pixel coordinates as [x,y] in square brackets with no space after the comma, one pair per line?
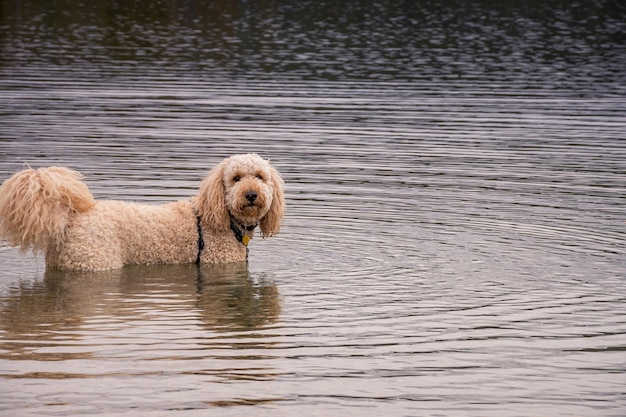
[455,235]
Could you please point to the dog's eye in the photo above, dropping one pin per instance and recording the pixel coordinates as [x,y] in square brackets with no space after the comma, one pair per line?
[236,178]
[259,176]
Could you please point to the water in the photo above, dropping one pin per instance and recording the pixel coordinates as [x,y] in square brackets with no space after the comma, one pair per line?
[455,236]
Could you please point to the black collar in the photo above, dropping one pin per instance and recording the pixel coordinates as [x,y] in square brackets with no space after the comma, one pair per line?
[239,233]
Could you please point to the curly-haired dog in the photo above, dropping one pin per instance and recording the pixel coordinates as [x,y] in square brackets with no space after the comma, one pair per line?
[52,210]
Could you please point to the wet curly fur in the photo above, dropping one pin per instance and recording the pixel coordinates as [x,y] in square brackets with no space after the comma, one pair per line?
[51,210]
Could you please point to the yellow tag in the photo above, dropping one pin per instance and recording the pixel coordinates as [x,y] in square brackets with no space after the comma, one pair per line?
[245,240]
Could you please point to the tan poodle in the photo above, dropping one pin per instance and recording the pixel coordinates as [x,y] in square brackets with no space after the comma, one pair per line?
[52,210]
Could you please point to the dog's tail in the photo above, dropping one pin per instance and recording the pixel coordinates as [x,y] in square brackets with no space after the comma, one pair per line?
[35,206]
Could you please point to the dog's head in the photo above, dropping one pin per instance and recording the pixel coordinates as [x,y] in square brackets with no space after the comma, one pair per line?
[246,188]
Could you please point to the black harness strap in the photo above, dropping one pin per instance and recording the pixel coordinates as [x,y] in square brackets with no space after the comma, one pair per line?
[200,241]
[238,233]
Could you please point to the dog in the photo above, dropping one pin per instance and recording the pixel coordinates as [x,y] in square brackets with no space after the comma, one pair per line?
[51,210]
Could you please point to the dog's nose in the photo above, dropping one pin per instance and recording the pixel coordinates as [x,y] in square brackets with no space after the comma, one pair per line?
[251,196]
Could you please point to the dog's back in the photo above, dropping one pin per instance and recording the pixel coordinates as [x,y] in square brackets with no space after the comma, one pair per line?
[116,233]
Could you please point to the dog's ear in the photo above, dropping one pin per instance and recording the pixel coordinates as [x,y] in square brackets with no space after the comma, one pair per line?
[211,201]
[270,223]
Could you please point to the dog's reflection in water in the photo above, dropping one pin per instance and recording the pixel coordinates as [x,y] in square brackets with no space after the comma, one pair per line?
[65,304]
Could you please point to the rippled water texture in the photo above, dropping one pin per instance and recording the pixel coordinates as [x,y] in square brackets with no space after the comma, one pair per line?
[455,236]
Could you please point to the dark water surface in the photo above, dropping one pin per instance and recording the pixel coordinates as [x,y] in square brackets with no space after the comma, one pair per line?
[456,181]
